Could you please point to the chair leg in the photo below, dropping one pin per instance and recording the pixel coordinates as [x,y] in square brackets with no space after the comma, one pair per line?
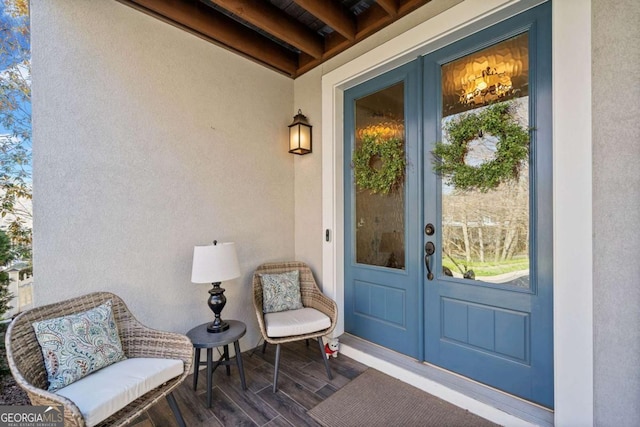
[264,347]
[275,373]
[306,341]
[324,358]
[175,409]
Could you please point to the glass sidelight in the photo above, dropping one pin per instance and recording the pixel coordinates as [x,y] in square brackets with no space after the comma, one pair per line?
[485,211]
[379,167]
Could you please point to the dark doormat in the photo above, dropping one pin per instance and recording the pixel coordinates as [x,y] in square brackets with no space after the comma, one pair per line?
[376,399]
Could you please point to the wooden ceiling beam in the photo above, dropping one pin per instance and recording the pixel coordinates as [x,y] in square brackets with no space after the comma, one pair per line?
[368,22]
[332,14]
[275,22]
[214,26]
[389,6]
[407,6]
[372,20]
[376,18]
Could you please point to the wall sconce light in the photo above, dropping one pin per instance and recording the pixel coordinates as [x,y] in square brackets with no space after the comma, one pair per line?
[300,135]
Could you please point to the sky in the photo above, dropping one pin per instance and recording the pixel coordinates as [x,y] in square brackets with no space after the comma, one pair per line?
[8,23]
[8,58]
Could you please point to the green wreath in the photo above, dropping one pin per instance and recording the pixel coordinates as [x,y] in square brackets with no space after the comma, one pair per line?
[385,176]
[512,149]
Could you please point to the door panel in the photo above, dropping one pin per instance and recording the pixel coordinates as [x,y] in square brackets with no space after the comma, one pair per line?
[380,302]
[488,310]
[383,293]
[486,328]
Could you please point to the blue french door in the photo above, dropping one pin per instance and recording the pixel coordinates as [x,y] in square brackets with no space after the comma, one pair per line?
[382,268]
[450,260]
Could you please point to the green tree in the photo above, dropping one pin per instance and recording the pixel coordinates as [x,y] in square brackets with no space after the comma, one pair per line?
[15,125]
[5,298]
[6,256]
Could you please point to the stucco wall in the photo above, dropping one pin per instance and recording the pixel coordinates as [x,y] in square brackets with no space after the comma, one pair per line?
[309,234]
[616,211]
[148,141]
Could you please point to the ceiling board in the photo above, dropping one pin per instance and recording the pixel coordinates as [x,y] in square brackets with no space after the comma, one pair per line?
[290,36]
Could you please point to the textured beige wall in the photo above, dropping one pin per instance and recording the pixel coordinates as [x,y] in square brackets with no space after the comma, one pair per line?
[147,141]
[616,211]
[309,234]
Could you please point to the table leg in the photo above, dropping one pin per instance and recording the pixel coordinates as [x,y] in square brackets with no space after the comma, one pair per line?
[196,367]
[209,374]
[236,345]
[226,357]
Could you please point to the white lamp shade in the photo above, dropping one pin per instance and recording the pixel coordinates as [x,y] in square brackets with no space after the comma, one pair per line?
[215,263]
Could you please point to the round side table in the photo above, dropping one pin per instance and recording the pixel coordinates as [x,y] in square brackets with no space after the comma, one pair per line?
[203,339]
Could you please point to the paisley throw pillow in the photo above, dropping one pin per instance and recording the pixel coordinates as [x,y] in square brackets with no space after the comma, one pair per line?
[74,346]
[281,292]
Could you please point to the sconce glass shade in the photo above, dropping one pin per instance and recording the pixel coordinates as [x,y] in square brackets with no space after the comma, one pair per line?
[300,135]
[215,263]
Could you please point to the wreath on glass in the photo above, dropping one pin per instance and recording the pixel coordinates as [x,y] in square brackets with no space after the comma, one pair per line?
[512,149]
[379,162]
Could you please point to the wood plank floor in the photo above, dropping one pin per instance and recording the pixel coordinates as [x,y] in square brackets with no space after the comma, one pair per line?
[302,384]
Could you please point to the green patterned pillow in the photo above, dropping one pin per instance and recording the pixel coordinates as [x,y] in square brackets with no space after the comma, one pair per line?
[281,292]
[74,346]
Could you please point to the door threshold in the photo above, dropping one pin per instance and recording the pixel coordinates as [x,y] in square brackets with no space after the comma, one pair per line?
[489,403]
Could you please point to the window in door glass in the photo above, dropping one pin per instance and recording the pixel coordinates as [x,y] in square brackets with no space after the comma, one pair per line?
[379,215]
[485,233]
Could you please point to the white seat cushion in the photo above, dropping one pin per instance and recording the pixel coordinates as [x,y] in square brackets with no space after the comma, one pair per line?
[295,322]
[104,392]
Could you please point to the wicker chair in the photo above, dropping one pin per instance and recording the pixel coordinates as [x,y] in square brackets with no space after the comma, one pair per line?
[311,297]
[27,364]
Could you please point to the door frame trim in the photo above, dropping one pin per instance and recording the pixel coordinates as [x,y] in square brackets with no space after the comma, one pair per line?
[572,171]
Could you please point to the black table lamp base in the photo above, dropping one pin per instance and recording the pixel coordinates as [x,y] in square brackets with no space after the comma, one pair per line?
[216,302]
[215,328]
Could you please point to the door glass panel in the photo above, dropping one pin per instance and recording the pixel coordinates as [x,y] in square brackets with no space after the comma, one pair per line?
[485,220]
[379,221]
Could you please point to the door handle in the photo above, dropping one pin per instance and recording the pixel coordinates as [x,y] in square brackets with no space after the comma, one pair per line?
[429,250]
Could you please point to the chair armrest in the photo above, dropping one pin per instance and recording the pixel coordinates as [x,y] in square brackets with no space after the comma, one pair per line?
[258,307]
[326,305]
[72,415]
[141,341]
